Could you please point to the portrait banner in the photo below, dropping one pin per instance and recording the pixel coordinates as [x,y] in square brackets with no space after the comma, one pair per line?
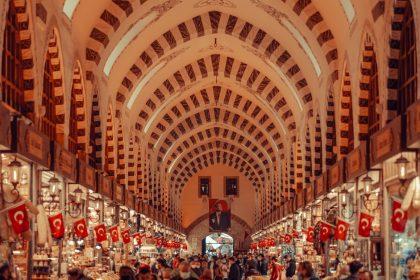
[219,215]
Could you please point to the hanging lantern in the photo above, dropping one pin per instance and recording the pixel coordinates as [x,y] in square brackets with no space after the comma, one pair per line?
[77,195]
[367,183]
[14,172]
[402,164]
[54,184]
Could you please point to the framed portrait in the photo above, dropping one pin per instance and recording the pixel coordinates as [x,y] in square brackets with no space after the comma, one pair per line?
[231,186]
[204,186]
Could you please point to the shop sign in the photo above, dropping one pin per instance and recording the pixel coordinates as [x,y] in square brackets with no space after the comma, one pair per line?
[335,176]
[64,162]
[320,187]
[86,175]
[33,145]
[413,126]
[106,186]
[300,199]
[309,194]
[119,193]
[129,199]
[386,142]
[356,162]
[5,129]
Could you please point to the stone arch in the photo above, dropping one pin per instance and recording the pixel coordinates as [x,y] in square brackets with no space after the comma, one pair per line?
[109,156]
[318,147]
[331,140]
[121,170]
[346,115]
[95,132]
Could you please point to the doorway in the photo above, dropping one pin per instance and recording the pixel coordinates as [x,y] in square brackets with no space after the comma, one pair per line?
[217,244]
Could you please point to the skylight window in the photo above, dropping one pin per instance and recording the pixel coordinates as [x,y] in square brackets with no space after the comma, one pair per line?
[69,7]
[348,10]
[143,82]
[296,34]
[287,82]
[126,39]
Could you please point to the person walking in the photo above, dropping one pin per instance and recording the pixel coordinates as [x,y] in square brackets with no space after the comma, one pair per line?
[306,272]
[275,273]
[262,265]
[290,266]
[234,270]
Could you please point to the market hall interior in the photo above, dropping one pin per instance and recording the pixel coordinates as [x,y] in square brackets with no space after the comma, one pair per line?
[143,127]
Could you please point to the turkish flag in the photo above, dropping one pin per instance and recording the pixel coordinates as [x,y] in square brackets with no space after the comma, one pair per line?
[159,242]
[137,237]
[80,228]
[19,218]
[365,223]
[310,235]
[100,232]
[57,225]
[341,230]
[287,238]
[399,217]
[125,234]
[113,231]
[326,230]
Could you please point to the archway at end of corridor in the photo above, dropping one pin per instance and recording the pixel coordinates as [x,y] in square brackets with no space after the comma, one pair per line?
[218,243]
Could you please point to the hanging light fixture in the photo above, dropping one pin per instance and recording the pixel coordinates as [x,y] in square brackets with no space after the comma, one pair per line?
[346,210]
[367,183]
[402,164]
[54,185]
[76,203]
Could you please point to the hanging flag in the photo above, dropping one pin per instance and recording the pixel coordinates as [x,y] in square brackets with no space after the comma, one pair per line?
[57,225]
[399,217]
[100,233]
[325,232]
[113,231]
[80,228]
[341,230]
[287,238]
[137,237]
[125,234]
[310,235]
[19,218]
[365,224]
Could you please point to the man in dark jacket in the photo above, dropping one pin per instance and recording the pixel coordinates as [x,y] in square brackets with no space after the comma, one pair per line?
[234,270]
[262,265]
[291,266]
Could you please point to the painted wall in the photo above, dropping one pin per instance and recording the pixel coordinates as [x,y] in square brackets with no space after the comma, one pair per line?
[193,207]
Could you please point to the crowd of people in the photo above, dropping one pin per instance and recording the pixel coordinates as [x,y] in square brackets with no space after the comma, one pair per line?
[239,267]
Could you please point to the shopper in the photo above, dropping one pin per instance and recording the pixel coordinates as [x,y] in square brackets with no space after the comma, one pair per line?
[196,269]
[206,275]
[290,266]
[252,270]
[184,272]
[5,273]
[306,272]
[275,273]
[355,267]
[166,273]
[365,275]
[126,273]
[262,265]
[73,274]
[234,270]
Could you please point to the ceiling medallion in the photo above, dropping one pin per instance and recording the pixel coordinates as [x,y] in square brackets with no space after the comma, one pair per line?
[223,3]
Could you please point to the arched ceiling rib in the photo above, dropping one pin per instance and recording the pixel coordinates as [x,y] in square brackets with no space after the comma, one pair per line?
[192,164]
[211,131]
[227,25]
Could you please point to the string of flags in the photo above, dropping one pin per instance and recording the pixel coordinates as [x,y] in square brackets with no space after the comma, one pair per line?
[18,216]
[339,231]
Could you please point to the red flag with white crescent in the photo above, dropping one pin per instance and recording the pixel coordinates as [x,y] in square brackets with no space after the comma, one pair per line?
[399,217]
[137,237]
[57,225]
[113,231]
[341,230]
[100,232]
[310,235]
[287,238]
[125,234]
[19,218]
[365,224]
[326,230]
[80,228]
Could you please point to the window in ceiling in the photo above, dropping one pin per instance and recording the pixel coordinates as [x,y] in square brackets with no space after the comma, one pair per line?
[298,36]
[69,7]
[126,39]
[142,83]
[348,10]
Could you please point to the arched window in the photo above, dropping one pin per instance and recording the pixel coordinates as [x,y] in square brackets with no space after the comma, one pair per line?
[48,122]
[12,90]
[407,68]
